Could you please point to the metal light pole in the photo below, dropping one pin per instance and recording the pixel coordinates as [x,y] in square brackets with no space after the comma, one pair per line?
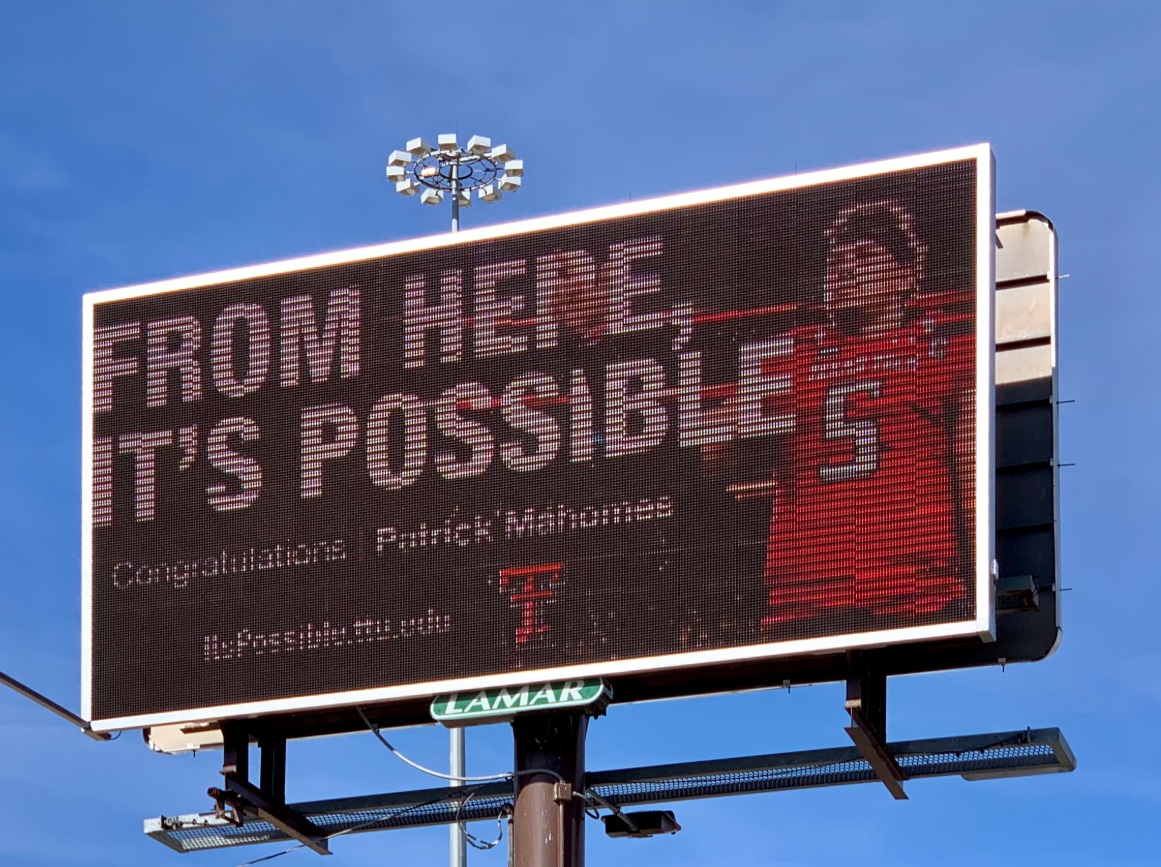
[488,171]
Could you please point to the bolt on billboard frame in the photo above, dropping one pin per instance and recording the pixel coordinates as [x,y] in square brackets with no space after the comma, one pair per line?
[146,349]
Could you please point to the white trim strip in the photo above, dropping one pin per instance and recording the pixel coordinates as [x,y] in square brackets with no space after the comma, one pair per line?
[985,391]
[804,647]
[87,510]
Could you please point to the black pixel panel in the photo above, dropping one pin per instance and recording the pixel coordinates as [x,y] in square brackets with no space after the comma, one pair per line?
[731,425]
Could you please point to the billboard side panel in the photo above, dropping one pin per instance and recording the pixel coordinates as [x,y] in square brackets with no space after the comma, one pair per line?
[1053,276]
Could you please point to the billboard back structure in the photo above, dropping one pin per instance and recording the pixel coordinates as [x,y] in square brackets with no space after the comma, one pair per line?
[744,424]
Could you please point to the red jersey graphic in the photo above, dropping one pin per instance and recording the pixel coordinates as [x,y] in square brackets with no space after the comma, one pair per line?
[867,506]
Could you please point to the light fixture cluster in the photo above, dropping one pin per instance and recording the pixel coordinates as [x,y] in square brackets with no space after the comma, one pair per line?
[449,169]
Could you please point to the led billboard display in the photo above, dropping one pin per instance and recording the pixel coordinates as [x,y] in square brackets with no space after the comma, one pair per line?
[729,425]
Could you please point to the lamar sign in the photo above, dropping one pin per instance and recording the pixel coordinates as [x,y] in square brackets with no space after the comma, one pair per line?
[500,705]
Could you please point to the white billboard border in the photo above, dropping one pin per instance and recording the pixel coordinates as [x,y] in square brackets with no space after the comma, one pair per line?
[981,626]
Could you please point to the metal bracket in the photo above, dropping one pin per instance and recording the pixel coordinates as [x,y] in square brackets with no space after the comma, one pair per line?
[48,704]
[240,798]
[290,822]
[1018,593]
[867,704]
[562,793]
[227,806]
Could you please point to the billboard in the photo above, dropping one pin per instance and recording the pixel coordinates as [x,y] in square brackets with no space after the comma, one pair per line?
[741,424]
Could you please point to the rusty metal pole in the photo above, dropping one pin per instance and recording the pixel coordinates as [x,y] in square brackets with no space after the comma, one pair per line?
[548,825]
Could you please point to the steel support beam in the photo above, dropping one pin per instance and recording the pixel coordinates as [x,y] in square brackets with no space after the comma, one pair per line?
[974,757]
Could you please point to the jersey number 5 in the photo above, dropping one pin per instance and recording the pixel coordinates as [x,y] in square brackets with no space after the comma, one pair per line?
[862,433]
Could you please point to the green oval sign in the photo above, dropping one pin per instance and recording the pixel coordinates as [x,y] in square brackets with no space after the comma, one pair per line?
[497,705]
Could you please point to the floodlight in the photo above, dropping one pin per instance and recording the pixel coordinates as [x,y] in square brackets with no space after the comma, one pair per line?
[465,198]
[431,197]
[478,145]
[418,147]
[407,187]
[490,193]
[514,168]
[642,823]
[184,737]
[396,173]
[502,153]
[509,184]
[447,142]
[429,171]
[398,158]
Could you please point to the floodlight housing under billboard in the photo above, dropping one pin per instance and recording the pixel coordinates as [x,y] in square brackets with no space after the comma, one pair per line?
[728,426]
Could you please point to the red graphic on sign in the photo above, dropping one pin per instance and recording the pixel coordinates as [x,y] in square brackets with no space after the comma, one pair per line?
[530,589]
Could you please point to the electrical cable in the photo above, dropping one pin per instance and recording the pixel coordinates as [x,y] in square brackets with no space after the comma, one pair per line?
[484,779]
[474,841]
[391,815]
[375,731]
[613,808]
[477,843]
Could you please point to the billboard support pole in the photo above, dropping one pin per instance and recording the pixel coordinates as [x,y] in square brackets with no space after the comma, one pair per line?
[241,799]
[867,704]
[548,827]
[272,776]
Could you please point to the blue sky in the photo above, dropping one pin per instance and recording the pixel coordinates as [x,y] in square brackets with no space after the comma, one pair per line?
[141,140]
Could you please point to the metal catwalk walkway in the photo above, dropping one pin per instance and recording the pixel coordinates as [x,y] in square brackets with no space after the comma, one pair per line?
[984,756]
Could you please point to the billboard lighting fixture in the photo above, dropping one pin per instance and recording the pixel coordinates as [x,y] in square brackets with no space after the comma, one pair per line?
[641,823]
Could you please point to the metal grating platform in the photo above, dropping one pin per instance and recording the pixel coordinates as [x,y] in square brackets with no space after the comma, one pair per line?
[973,757]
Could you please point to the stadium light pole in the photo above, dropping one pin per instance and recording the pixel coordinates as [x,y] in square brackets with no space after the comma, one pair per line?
[433,172]
[476,167]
